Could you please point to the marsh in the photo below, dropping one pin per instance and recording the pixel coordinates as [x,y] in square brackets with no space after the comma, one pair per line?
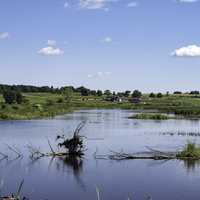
[55,178]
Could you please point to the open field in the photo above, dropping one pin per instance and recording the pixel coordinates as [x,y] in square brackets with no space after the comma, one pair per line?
[41,105]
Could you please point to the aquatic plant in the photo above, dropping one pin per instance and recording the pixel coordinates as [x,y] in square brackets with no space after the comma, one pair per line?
[190,151]
[74,145]
[150,116]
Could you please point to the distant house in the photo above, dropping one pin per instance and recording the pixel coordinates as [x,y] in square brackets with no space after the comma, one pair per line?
[135,100]
[114,99]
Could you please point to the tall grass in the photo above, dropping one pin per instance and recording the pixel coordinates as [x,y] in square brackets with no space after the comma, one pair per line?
[191,150]
[150,116]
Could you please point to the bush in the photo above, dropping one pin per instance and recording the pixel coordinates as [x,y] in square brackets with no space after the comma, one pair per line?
[191,150]
[159,95]
[136,94]
[15,107]
[49,102]
[11,97]
[60,100]
[152,95]
[19,98]
[150,116]
[3,106]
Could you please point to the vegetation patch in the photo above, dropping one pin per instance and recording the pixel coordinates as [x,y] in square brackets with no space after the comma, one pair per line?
[151,116]
[190,151]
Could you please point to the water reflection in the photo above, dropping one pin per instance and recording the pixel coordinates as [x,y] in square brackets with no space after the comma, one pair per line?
[72,162]
[76,178]
[191,165]
[74,165]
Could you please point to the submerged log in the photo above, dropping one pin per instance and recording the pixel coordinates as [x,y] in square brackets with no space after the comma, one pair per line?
[151,154]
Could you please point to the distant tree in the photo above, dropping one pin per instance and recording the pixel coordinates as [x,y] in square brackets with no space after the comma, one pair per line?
[136,94]
[159,95]
[93,92]
[152,95]
[9,97]
[177,92]
[127,93]
[107,93]
[99,93]
[68,94]
[194,92]
[19,98]
[84,91]
[167,93]
[120,94]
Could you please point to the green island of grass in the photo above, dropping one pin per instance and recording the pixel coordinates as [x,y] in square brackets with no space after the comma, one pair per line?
[191,151]
[151,116]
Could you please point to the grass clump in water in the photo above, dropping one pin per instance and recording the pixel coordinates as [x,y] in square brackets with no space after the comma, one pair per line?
[149,116]
[191,150]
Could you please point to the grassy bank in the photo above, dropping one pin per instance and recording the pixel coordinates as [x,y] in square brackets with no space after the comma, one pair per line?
[41,105]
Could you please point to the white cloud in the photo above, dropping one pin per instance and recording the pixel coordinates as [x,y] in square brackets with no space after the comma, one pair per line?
[50,51]
[132,4]
[187,51]
[107,40]
[66,5]
[4,35]
[95,4]
[51,43]
[99,75]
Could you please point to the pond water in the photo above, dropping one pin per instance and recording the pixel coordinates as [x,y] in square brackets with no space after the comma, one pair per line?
[59,179]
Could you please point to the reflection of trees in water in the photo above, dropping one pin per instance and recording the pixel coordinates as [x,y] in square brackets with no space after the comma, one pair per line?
[191,164]
[75,163]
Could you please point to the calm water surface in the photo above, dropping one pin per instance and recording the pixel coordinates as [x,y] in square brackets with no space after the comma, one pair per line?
[106,130]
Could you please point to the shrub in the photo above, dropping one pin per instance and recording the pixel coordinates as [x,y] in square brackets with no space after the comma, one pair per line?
[9,97]
[191,150]
[150,116]
[3,106]
[159,95]
[152,95]
[49,102]
[60,100]
[15,107]
[136,94]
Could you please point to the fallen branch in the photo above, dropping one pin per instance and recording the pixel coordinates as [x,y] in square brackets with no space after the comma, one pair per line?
[151,154]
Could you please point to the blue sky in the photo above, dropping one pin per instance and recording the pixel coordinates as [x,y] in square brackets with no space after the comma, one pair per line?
[151,45]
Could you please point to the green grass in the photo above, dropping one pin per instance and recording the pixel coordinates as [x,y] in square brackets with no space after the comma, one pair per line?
[191,150]
[40,105]
[150,116]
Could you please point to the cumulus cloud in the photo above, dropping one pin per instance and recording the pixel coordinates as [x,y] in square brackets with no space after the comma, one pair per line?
[132,4]
[99,74]
[107,40]
[4,35]
[187,51]
[51,43]
[50,51]
[98,4]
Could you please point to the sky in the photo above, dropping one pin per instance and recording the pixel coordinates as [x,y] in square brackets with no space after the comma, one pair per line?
[150,45]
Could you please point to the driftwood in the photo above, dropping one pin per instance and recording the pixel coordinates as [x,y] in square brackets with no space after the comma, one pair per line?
[15,196]
[150,154]
[14,150]
[72,147]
